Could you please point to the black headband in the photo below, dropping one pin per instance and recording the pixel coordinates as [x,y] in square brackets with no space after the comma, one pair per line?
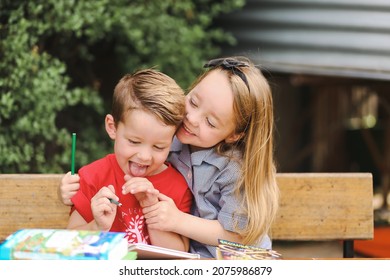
[229,64]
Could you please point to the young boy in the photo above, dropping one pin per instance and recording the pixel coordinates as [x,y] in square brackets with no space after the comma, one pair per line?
[147,109]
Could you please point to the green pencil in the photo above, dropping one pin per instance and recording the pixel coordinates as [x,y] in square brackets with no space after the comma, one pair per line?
[115,202]
[73,153]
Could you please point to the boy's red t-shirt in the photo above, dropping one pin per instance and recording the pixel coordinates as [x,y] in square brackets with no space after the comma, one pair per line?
[129,217]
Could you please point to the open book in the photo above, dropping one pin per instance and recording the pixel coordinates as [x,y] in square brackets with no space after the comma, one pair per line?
[145,251]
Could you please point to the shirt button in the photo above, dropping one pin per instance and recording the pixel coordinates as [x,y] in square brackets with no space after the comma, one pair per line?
[189,175]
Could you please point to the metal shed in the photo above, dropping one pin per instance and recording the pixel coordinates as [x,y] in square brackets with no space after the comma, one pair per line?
[349,38]
[333,57]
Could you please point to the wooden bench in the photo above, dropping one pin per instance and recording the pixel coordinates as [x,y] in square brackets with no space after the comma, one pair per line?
[30,201]
[325,206]
[314,206]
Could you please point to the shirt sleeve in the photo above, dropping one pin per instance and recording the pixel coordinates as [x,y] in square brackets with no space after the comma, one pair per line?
[82,199]
[186,202]
[230,215]
[83,205]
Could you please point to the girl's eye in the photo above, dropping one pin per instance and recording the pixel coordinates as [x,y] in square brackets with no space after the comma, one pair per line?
[209,123]
[160,148]
[133,142]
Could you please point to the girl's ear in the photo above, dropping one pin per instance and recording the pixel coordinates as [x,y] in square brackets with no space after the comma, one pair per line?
[110,126]
[234,137]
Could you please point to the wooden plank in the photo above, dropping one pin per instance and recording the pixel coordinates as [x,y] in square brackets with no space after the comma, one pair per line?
[324,206]
[29,201]
[314,206]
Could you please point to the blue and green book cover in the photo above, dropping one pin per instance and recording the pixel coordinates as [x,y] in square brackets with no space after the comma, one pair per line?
[63,244]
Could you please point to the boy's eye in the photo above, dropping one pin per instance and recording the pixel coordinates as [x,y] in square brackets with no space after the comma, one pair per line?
[192,102]
[159,148]
[133,142]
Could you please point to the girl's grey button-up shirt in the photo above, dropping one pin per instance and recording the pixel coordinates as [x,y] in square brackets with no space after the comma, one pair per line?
[211,178]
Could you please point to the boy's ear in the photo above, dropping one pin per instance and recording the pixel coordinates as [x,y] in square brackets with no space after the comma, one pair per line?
[110,126]
[234,137]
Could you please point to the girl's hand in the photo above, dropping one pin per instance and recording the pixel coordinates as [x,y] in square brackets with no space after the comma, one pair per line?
[142,189]
[102,209]
[163,215]
[68,187]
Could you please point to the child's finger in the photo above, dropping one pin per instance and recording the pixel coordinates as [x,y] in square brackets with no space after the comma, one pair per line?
[163,197]
[137,185]
[108,193]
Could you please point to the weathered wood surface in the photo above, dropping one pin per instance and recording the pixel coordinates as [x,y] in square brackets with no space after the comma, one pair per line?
[314,206]
[325,206]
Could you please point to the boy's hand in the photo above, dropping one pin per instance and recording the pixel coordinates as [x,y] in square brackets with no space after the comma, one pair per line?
[68,187]
[102,209]
[142,189]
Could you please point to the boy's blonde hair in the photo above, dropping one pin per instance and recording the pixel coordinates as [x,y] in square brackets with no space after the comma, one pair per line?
[253,113]
[152,91]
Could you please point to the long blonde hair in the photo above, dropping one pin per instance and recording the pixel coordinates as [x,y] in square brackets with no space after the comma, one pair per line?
[253,112]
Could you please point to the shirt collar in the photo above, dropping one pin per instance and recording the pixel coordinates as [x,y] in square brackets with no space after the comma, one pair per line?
[209,156]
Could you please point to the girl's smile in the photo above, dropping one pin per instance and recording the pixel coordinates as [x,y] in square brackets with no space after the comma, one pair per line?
[209,112]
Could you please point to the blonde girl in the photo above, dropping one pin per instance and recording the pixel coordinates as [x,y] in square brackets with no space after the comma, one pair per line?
[224,149]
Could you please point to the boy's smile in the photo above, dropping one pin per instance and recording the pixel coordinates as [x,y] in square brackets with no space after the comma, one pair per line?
[137,170]
[142,142]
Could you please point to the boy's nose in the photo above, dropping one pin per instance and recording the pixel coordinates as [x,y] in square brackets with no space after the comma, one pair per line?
[144,155]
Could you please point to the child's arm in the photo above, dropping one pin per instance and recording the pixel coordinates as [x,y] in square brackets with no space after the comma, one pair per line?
[147,196]
[68,187]
[102,209]
[165,216]
[76,221]
[169,240]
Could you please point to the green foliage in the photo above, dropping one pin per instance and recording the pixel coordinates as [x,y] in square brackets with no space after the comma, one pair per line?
[60,60]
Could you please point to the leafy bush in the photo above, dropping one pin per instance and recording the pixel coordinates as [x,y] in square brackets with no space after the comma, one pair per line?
[60,60]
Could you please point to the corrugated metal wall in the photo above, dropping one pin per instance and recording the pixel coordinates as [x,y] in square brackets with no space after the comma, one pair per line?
[340,38]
